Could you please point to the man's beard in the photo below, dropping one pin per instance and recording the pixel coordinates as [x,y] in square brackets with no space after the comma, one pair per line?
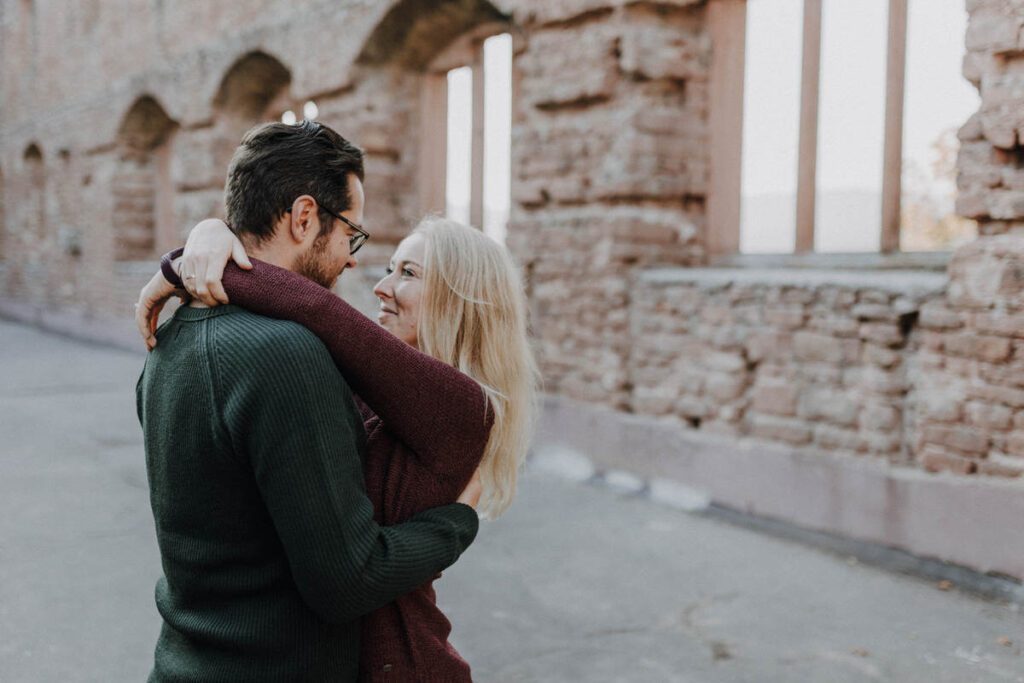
[315,264]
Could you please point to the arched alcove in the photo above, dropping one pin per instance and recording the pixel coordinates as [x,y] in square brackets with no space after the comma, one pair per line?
[250,85]
[412,33]
[253,90]
[32,217]
[404,66]
[142,185]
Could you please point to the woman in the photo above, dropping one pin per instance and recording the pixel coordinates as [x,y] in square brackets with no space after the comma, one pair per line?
[446,385]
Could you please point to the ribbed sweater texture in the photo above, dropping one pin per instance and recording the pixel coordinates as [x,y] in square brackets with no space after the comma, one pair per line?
[427,426]
[268,542]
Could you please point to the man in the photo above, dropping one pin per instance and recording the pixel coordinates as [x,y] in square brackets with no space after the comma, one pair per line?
[268,544]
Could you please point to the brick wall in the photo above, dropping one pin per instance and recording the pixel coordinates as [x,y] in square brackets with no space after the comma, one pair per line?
[610,180]
[806,358]
[991,161]
[610,174]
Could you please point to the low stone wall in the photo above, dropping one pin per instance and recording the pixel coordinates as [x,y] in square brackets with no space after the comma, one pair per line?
[970,412]
[808,358]
[914,367]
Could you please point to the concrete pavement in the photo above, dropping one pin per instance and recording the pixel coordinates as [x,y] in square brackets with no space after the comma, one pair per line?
[575,583]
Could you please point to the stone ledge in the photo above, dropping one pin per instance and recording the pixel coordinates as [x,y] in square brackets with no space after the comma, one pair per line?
[966,521]
[914,283]
[103,330]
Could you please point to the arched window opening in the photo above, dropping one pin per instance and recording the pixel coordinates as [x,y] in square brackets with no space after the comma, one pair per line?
[143,219]
[469,97]
[250,86]
[33,219]
[459,53]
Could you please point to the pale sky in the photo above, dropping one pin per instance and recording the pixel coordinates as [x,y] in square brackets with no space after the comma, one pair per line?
[497,137]
[851,112]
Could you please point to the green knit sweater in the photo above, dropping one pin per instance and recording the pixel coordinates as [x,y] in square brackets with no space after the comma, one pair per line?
[269,549]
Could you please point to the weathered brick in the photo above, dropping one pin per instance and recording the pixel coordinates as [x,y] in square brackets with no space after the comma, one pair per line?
[886,334]
[941,401]
[654,400]
[882,443]
[937,460]
[767,344]
[836,326]
[656,51]
[781,429]
[811,346]
[996,394]
[1000,469]
[982,347]
[725,386]
[1015,443]
[830,437]
[989,415]
[775,398]
[689,406]
[877,312]
[879,417]
[875,379]
[966,440]
[1003,324]
[990,30]
[1005,374]
[725,362]
[827,404]
[880,356]
[789,318]
[936,316]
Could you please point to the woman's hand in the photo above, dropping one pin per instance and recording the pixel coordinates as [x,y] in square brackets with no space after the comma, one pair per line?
[152,299]
[471,494]
[210,246]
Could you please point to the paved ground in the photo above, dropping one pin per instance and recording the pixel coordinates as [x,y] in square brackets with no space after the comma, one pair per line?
[576,583]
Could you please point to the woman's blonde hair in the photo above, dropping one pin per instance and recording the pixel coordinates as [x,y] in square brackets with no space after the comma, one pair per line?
[473,317]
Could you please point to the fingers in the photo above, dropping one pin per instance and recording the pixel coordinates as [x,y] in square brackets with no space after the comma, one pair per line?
[151,302]
[193,268]
[142,323]
[154,320]
[202,277]
[214,277]
[239,256]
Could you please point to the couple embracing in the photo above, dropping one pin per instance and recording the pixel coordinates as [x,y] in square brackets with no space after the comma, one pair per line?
[311,472]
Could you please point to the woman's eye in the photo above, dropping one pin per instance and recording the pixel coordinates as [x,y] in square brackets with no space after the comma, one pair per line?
[408,273]
[389,270]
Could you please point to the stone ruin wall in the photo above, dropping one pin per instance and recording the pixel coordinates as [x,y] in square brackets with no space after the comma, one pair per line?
[896,366]
[610,176]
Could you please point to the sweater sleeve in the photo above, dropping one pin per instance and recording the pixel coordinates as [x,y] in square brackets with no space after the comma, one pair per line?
[439,413]
[287,410]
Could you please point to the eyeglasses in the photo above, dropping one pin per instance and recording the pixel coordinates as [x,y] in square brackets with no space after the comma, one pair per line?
[356,241]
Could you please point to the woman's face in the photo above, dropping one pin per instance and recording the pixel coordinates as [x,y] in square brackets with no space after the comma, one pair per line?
[401,290]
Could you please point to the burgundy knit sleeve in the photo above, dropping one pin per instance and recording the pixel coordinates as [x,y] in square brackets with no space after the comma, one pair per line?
[438,412]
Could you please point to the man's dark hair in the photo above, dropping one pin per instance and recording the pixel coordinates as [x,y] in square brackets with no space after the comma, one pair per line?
[278,162]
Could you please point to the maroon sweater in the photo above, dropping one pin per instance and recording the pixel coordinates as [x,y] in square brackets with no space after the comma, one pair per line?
[427,425]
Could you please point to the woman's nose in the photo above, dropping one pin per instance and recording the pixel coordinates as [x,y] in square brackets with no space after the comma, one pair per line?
[381,290]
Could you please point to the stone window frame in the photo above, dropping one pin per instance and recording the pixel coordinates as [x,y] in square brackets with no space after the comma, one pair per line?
[467,50]
[727,23]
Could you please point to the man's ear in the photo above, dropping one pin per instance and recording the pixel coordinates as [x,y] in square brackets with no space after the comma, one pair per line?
[304,219]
